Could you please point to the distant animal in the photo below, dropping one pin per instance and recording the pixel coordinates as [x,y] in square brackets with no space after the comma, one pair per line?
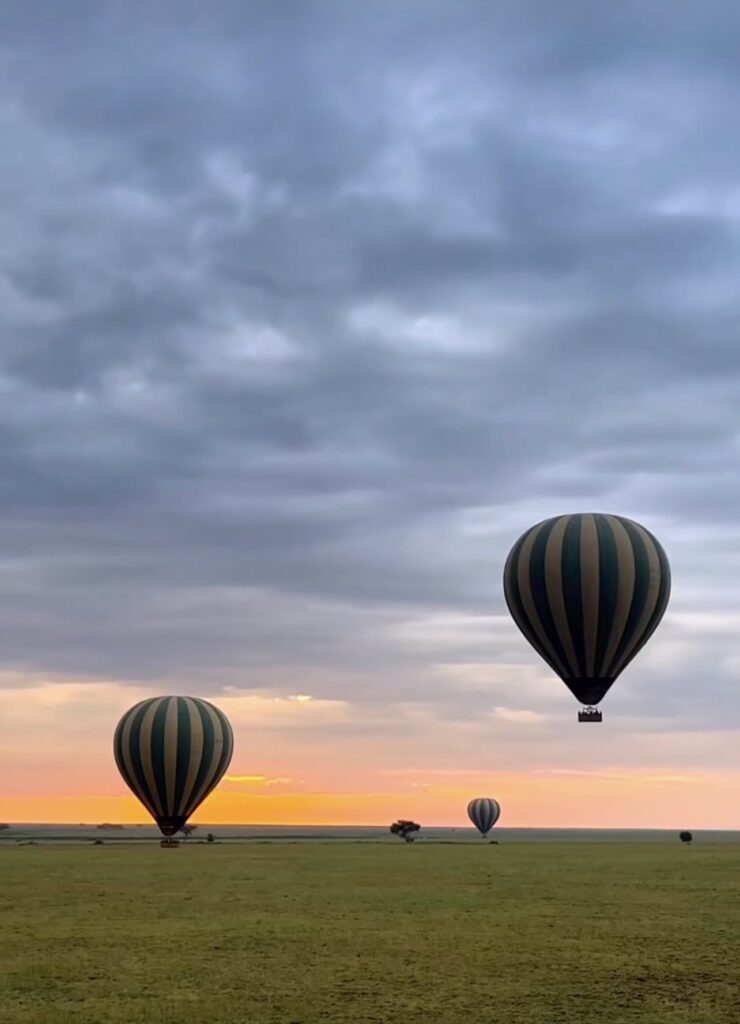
[685,837]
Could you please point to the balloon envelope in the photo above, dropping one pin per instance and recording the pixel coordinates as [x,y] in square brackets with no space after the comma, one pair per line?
[587,591]
[172,752]
[484,813]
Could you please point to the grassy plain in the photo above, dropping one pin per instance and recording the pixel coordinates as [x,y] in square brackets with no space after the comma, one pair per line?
[345,933]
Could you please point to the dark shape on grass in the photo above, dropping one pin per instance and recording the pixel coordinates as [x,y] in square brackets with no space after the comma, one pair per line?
[484,813]
[210,837]
[587,591]
[405,830]
[685,837]
[172,752]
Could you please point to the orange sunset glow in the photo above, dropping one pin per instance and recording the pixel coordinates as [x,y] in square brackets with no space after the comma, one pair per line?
[284,771]
[635,802]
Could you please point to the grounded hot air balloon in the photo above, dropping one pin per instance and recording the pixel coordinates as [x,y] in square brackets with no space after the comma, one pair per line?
[171,752]
[587,591]
[484,813]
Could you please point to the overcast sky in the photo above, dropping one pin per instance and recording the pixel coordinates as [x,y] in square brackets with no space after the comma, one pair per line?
[307,311]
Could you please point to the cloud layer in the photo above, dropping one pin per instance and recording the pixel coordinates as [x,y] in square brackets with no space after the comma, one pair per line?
[304,319]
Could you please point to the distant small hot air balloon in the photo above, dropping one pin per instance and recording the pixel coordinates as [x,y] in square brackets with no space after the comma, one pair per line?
[484,813]
[172,752]
[587,591]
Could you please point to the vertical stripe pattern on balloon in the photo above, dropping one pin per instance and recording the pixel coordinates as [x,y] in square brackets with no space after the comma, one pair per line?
[172,752]
[587,591]
[484,813]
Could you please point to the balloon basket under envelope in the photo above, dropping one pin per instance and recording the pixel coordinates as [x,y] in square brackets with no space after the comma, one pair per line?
[587,591]
[589,715]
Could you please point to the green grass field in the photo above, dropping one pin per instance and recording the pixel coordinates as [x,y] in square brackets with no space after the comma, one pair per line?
[350,932]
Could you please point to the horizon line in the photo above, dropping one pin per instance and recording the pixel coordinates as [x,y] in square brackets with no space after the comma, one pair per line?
[344,825]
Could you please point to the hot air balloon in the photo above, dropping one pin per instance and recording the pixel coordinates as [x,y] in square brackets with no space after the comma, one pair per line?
[587,591]
[484,813]
[172,752]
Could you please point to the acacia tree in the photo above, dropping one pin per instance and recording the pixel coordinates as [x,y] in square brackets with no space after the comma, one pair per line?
[187,830]
[405,829]
[685,837]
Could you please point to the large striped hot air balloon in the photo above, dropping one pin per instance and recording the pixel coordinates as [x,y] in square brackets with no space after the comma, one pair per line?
[587,591]
[484,813]
[172,752]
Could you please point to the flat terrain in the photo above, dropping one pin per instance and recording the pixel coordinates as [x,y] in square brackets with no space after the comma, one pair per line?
[338,932]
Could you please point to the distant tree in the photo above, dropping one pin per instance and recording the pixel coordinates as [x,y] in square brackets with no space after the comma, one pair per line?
[685,837]
[3,827]
[405,829]
[187,830]
[210,837]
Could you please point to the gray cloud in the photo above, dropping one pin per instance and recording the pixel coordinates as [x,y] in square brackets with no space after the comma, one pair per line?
[305,318]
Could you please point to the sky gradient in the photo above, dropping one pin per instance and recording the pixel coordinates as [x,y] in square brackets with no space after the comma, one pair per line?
[307,312]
